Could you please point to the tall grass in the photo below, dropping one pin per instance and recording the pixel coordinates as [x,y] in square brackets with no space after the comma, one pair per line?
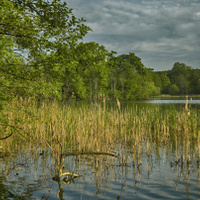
[129,131]
[95,127]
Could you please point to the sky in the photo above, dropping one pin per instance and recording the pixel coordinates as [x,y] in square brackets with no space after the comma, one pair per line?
[160,32]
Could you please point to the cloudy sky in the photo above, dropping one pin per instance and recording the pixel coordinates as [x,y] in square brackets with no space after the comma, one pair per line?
[160,32]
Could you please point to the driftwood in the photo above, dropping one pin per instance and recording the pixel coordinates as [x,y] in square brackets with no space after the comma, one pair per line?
[77,153]
[74,176]
[66,180]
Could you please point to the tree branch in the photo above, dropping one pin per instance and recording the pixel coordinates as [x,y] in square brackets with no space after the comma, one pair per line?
[21,77]
[89,153]
[6,136]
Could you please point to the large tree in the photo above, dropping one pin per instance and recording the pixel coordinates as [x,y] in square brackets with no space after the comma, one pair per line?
[130,79]
[32,35]
[93,68]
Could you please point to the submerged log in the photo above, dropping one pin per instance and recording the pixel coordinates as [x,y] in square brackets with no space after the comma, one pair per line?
[65,180]
[60,173]
[89,153]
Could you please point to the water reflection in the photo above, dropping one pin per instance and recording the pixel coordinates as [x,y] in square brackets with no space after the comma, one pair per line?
[146,173]
[172,101]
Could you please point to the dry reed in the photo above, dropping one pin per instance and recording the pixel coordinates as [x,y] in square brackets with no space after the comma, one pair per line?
[133,131]
[95,128]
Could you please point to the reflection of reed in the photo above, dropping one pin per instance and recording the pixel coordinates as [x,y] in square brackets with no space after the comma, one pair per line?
[139,131]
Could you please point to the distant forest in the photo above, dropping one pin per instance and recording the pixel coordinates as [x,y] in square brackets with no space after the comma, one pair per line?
[129,79]
[181,79]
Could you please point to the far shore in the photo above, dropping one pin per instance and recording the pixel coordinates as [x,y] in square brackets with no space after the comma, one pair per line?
[182,96]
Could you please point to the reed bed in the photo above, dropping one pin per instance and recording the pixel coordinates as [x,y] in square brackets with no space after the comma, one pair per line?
[132,131]
[96,127]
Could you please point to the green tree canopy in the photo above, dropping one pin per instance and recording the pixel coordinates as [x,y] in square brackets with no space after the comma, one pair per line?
[32,33]
[180,75]
[130,79]
[93,67]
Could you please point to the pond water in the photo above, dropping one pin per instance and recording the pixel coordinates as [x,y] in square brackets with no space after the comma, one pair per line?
[157,172]
[164,100]
[191,101]
[156,176]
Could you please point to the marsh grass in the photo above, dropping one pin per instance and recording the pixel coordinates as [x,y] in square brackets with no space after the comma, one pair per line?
[97,127]
[52,128]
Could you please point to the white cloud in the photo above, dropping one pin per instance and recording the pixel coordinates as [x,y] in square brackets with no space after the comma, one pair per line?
[148,27]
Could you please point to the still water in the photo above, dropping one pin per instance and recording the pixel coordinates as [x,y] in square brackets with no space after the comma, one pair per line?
[156,176]
[153,172]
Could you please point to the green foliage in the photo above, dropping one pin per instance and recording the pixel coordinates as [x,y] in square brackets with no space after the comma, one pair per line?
[92,67]
[165,82]
[181,79]
[131,78]
[185,77]
[195,81]
[32,34]
[161,81]
[41,56]
[173,89]
[180,76]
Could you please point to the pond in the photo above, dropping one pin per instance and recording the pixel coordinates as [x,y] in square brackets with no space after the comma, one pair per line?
[153,171]
[164,100]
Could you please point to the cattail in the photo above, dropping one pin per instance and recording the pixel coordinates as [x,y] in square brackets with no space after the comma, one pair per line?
[188,112]
[104,104]
[186,103]
[118,104]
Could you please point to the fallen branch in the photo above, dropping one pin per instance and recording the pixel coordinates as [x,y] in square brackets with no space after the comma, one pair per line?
[15,128]
[88,153]
[74,176]
[6,136]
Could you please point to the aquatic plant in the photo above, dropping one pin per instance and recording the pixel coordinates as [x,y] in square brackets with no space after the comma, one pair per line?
[94,127]
[102,137]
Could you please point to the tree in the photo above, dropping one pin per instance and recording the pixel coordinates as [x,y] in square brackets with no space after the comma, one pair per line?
[162,81]
[180,75]
[157,80]
[195,81]
[32,34]
[131,79]
[92,70]
[183,84]
[174,89]
[165,82]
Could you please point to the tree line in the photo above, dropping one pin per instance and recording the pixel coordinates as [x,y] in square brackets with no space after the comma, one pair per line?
[180,80]
[42,56]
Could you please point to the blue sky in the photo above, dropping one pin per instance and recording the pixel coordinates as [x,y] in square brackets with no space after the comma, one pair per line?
[160,32]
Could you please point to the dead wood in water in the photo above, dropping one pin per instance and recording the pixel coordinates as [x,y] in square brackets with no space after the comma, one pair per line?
[73,175]
[89,153]
[66,181]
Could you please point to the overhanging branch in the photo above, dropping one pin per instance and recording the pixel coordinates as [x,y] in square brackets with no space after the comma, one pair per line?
[6,136]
